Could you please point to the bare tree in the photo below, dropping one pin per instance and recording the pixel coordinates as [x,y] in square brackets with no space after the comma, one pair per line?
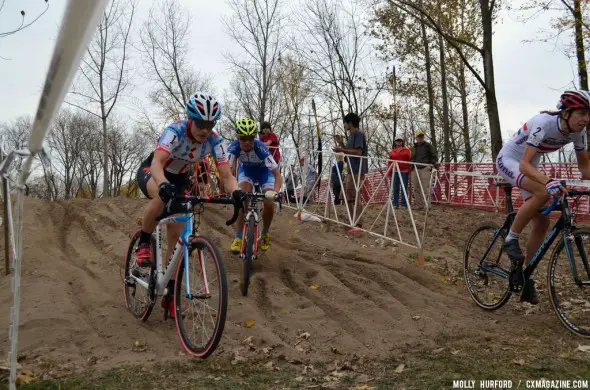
[23,25]
[164,44]
[104,72]
[66,140]
[337,51]
[256,27]
[91,158]
[126,150]
[488,10]
[14,135]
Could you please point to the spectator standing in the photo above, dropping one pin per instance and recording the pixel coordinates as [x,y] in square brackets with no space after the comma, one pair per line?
[271,140]
[422,152]
[358,165]
[337,178]
[399,153]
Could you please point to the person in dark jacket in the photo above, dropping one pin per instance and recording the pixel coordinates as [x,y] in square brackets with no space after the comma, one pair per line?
[336,179]
[423,153]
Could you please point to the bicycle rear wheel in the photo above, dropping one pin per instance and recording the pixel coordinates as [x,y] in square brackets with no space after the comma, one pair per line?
[200,315]
[250,244]
[486,267]
[570,301]
[139,300]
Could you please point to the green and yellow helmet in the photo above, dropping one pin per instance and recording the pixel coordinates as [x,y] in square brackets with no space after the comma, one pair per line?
[245,126]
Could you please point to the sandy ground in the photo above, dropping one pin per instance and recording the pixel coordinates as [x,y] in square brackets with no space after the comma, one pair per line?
[369,298]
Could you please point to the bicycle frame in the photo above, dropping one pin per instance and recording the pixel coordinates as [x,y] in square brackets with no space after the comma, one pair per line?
[182,246]
[253,209]
[563,225]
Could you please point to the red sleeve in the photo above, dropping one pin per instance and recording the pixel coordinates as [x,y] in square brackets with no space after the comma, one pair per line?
[274,139]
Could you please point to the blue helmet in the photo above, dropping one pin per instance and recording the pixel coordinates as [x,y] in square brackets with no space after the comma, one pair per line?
[202,106]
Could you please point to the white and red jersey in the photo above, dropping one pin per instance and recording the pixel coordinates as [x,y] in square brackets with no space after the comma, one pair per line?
[543,131]
[185,150]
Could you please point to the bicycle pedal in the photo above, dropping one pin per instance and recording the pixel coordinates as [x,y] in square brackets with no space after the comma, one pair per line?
[516,281]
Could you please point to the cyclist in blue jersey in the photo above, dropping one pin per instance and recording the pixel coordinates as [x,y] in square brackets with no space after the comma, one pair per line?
[256,165]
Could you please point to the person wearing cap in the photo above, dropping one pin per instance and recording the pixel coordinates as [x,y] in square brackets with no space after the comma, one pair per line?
[423,153]
[399,153]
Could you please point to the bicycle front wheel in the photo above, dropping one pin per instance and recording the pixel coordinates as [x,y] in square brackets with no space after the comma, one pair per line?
[571,300]
[201,308]
[486,267]
[139,299]
[250,244]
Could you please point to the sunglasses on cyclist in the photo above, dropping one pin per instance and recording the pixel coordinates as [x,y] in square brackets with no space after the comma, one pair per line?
[201,124]
[246,138]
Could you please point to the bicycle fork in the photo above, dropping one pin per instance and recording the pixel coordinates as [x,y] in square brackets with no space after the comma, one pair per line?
[245,235]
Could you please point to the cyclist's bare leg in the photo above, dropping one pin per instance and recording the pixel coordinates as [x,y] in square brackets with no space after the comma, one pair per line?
[246,187]
[532,205]
[153,209]
[540,225]
[267,213]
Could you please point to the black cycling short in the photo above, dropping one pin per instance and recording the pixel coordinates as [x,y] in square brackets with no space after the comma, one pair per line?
[181,181]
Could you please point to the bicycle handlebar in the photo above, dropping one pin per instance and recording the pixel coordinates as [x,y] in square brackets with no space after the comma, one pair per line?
[183,204]
[556,199]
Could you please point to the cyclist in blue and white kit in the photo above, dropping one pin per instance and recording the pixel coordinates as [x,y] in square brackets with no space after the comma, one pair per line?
[256,165]
[518,160]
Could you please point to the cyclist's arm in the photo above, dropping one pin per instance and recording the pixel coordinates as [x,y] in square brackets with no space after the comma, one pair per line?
[527,168]
[278,179]
[230,182]
[157,167]
[583,163]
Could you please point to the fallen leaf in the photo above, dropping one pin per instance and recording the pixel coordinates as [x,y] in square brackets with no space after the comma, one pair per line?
[455,352]
[270,366]
[25,378]
[315,286]
[416,318]
[583,348]
[139,344]
[250,323]
[336,351]
[364,387]
[564,355]
[299,379]
[267,350]
[248,340]
[438,350]
[399,368]
[443,280]
[304,335]
[519,362]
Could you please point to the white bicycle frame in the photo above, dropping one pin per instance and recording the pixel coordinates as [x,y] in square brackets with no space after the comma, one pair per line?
[182,246]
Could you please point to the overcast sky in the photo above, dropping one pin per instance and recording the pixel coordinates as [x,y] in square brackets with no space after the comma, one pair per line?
[529,76]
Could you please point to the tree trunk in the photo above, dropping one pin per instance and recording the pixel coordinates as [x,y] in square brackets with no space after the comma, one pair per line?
[488,68]
[105,159]
[466,136]
[445,100]
[582,72]
[427,65]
